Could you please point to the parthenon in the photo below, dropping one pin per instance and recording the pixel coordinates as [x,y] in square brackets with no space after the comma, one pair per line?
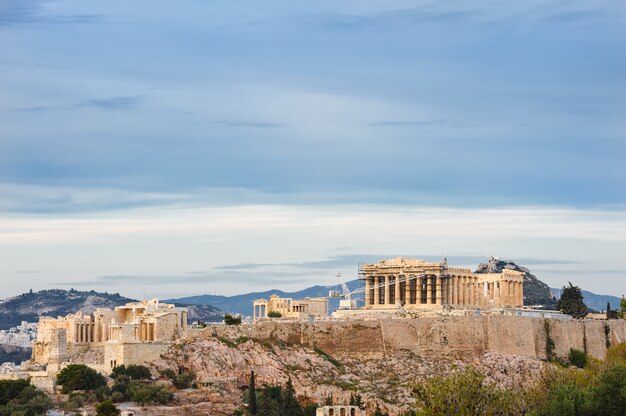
[415,284]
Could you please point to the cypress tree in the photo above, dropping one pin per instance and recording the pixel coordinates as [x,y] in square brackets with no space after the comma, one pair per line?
[608,311]
[571,302]
[252,408]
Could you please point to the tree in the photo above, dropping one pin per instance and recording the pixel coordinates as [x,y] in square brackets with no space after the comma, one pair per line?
[133,371]
[252,408]
[379,412]
[571,302]
[289,402]
[274,314]
[107,408]
[79,377]
[611,314]
[267,406]
[622,307]
[232,320]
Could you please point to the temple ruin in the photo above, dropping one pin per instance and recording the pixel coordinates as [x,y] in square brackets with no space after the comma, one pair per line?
[417,284]
[291,308]
[130,334]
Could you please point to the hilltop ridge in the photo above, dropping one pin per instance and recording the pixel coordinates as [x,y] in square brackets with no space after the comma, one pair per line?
[57,302]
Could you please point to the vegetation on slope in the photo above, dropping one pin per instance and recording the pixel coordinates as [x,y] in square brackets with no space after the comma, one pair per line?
[599,388]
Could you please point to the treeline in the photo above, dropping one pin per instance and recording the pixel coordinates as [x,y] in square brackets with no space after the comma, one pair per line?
[582,387]
[19,397]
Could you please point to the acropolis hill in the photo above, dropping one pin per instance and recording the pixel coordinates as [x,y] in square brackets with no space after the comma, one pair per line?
[425,316]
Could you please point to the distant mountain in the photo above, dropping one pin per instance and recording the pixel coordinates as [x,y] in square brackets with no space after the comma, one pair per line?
[536,292]
[30,306]
[242,304]
[594,301]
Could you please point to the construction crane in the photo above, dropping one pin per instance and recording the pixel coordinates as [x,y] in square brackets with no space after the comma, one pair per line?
[347,302]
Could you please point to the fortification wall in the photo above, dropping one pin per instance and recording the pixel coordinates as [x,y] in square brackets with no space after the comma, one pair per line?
[450,336]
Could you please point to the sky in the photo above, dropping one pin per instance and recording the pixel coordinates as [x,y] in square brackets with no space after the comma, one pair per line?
[164,149]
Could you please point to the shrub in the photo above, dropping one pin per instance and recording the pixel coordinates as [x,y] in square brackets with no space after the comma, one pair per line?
[464,393]
[232,320]
[144,394]
[79,377]
[181,381]
[577,358]
[107,408]
[133,372]
[274,314]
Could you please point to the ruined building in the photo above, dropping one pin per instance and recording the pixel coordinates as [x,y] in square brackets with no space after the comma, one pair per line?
[417,284]
[291,308]
[131,334]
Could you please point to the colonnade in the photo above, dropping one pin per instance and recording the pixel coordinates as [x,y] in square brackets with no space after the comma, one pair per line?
[147,331]
[84,332]
[388,290]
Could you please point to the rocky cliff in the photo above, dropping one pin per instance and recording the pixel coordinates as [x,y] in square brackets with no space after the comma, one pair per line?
[535,291]
[317,375]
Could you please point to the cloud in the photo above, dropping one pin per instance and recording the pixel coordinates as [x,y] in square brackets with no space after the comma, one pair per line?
[111,103]
[399,123]
[251,124]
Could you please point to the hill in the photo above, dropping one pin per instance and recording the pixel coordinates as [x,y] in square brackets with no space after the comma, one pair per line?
[30,306]
[536,292]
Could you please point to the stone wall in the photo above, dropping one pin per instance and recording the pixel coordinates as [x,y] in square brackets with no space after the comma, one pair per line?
[464,337]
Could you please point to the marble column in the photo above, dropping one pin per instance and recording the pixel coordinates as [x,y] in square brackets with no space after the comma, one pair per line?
[428,290]
[387,290]
[438,291]
[455,290]
[367,291]
[397,291]
[376,290]
[407,291]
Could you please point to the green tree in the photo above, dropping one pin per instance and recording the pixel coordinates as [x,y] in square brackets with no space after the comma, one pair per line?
[608,310]
[577,358]
[107,408]
[232,320]
[274,314]
[144,394]
[356,400]
[378,411]
[252,408]
[289,401]
[610,395]
[622,308]
[11,389]
[267,406]
[133,372]
[571,302]
[79,377]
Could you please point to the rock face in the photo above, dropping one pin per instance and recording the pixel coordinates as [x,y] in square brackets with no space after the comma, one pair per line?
[317,376]
[535,291]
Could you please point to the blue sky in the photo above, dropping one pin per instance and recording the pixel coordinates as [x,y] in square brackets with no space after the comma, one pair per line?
[143,141]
